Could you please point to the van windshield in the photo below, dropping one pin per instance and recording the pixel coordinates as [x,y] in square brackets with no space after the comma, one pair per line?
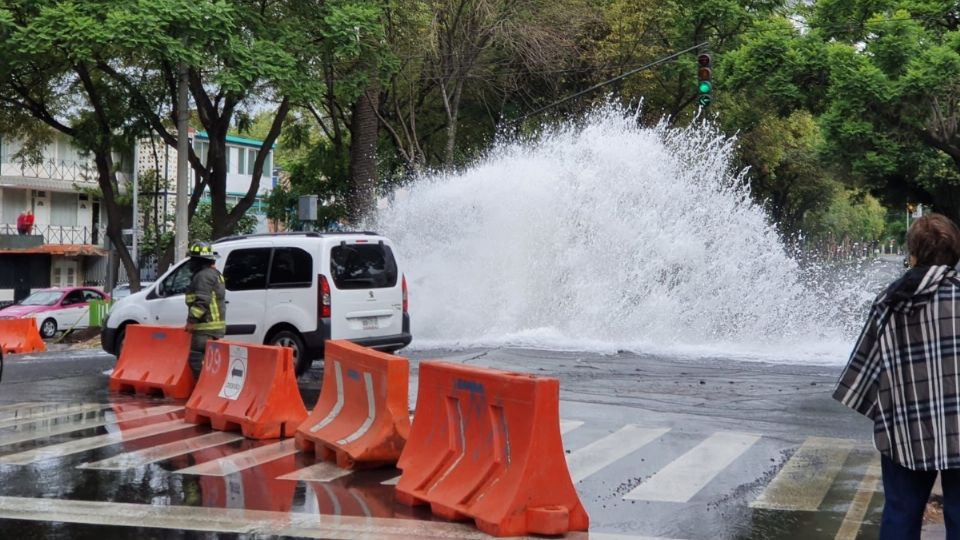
[363,266]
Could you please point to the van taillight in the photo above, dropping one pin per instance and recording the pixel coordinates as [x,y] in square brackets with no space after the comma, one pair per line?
[406,303]
[324,300]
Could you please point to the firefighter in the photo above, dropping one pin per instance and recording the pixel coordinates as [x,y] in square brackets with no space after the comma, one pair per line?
[205,303]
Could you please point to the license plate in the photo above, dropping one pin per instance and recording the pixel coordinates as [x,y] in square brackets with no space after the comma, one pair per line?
[370,323]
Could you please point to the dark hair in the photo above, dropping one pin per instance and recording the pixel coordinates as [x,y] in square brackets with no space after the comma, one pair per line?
[934,240]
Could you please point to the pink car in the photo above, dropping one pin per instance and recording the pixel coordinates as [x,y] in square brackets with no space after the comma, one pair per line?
[56,309]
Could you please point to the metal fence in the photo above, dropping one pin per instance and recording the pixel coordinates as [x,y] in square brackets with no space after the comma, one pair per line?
[63,234]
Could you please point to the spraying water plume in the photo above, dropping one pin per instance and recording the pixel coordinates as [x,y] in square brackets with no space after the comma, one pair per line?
[603,236]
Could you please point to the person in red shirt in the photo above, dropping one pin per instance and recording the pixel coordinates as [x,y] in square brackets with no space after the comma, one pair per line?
[28,222]
[22,223]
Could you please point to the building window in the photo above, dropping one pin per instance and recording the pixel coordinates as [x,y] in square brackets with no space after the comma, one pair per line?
[202,149]
[227,154]
[251,159]
[241,154]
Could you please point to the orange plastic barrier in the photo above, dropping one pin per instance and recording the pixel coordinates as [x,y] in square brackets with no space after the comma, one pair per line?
[20,336]
[252,387]
[154,360]
[361,418]
[485,445]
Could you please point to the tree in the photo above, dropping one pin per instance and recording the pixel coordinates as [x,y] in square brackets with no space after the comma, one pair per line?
[479,58]
[787,173]
[49,75]
[237,54]
[641,31]
[883,77]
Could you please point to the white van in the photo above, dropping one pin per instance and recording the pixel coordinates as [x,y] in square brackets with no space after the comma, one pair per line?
[290,289]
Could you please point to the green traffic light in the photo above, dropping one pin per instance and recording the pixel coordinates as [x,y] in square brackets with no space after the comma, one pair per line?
[705,100]
[705,87]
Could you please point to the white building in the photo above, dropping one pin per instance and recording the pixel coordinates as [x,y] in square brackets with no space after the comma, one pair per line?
[68,237]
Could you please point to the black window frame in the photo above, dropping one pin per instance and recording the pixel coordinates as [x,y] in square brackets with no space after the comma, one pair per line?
[340,284]
[302,284]
[266,269]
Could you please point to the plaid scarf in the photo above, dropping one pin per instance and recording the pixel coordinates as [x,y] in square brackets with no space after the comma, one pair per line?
[904,372]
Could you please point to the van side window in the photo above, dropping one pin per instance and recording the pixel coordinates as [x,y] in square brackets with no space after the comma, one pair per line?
[291,268]
[363,266]
[177,282]
[246,269]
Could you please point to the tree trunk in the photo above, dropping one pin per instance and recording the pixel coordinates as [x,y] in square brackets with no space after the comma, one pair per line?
[107,180]
[453,114]
[364,133]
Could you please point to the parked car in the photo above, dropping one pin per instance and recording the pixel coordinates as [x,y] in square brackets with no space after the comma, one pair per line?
[123,290]
[56,309]
[295,290]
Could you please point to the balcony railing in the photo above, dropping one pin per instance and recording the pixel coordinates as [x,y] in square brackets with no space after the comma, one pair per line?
[58,170]
[70,171]
[63,234]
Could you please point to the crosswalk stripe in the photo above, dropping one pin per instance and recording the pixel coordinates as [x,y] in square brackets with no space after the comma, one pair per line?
[90,443]
[252,522]
[55,412]
[319,472]
[600,453]
[850,528]
[138,458]
[12,409]
[243,460]
[685,476]
[804,480]
[391,481]
[566,426]
[44,429]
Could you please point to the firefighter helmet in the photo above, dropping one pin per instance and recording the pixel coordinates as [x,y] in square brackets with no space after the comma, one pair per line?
[202,250]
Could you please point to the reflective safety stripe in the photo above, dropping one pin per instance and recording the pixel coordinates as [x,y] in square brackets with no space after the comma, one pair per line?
[196,312]
[214,308]
[217,325]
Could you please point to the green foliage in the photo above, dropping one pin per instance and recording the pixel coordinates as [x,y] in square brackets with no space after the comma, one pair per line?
[201,226]
[320,171]
[850,215]
[786,169]
[838,105]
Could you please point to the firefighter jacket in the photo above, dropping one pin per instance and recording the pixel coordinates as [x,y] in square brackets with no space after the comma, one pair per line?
[205,303]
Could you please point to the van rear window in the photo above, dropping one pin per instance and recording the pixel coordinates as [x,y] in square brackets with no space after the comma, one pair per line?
[363,266]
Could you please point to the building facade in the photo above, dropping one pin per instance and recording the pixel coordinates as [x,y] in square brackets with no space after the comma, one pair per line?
[67,243]
[158,160]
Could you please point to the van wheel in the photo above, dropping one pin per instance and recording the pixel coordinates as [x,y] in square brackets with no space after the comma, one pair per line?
[286,338]
[48,328]
[118,341]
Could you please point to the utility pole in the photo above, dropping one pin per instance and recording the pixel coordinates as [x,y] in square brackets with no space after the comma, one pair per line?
[136,209]
[183,140]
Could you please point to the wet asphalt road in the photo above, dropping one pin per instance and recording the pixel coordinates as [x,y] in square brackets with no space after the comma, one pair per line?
[671,448]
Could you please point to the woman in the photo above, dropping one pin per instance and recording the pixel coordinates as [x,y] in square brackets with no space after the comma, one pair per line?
[904,374]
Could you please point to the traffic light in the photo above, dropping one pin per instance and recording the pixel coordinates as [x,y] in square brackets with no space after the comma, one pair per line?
[704,84]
